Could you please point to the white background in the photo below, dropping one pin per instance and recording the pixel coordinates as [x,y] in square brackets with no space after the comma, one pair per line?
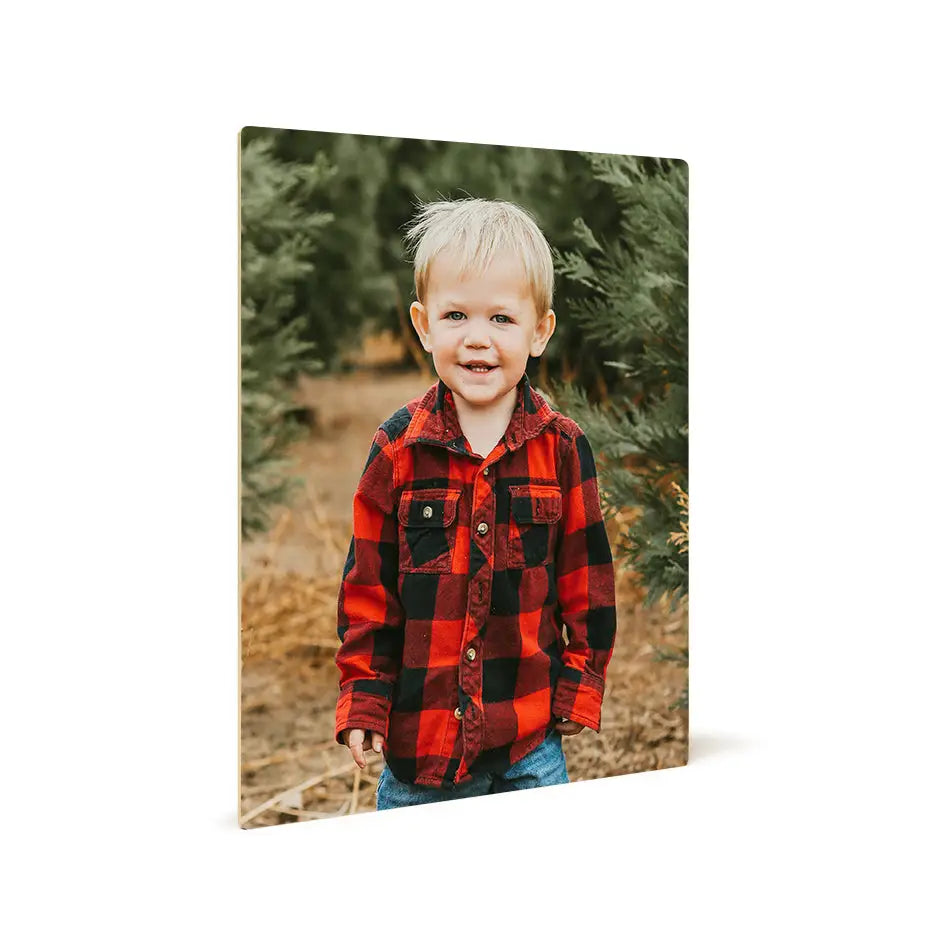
[808,805]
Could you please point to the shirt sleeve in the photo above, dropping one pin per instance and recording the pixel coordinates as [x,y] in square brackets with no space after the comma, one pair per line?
[370,615]
[585,590]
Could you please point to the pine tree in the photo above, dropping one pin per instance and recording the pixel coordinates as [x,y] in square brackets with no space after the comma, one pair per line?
[278,240]
[635,310]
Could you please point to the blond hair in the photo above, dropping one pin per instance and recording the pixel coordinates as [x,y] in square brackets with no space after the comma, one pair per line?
[477,230]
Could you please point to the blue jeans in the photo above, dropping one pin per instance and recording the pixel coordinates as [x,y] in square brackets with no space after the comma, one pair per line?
[542,766]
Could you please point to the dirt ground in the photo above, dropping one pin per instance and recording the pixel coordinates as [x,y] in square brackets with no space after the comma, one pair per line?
[291,769]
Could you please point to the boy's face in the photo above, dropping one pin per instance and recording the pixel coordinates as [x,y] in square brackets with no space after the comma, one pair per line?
[488,318]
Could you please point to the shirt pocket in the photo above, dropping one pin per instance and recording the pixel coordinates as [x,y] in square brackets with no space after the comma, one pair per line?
[534,511]
[427,530]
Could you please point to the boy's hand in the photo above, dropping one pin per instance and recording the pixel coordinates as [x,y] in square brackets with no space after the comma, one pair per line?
[360,741]
[568,727]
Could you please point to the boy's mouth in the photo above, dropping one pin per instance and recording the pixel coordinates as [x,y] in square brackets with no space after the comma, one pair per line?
[478,368]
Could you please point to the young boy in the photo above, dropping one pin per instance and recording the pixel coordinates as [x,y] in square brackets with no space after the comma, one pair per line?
[477,535]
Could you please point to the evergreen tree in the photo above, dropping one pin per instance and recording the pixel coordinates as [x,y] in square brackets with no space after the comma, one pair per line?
[352,289]
[635,310]
[278,240]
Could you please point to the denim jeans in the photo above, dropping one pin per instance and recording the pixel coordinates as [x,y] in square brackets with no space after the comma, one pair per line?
[542,766]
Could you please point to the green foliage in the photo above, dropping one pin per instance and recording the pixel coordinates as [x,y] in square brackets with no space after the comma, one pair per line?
[278,240]
[635,305]
[353,285]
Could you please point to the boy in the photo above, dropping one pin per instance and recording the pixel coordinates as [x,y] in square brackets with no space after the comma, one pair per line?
[477,535]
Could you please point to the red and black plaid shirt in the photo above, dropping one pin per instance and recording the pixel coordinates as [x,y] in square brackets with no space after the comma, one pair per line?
[460,574]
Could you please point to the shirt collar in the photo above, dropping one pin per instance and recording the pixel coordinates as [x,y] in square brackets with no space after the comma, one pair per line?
[435,419]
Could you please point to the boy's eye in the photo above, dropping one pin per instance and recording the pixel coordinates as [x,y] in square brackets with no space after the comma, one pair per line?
[455,314]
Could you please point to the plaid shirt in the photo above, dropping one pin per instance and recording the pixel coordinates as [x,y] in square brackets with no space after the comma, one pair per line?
[460,574]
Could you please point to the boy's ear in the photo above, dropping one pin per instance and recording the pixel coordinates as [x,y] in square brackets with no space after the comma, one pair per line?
[421,321]
[542,333]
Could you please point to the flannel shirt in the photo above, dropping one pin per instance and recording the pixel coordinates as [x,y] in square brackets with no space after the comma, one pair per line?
[460,575]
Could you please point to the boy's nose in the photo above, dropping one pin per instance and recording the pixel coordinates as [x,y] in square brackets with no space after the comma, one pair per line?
[477,338]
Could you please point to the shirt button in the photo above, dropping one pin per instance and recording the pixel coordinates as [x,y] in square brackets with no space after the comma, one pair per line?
[482,528]
[428,512]
[471,654]
[457,713]
[485,471]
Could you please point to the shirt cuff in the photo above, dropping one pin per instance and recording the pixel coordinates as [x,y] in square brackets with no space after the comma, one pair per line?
[578,696]
[361,710]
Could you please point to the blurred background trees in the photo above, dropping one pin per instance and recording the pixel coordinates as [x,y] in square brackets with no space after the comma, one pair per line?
[278,239]
[617,363]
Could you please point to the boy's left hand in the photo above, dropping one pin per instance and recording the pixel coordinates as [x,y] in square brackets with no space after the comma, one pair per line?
[568,727]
